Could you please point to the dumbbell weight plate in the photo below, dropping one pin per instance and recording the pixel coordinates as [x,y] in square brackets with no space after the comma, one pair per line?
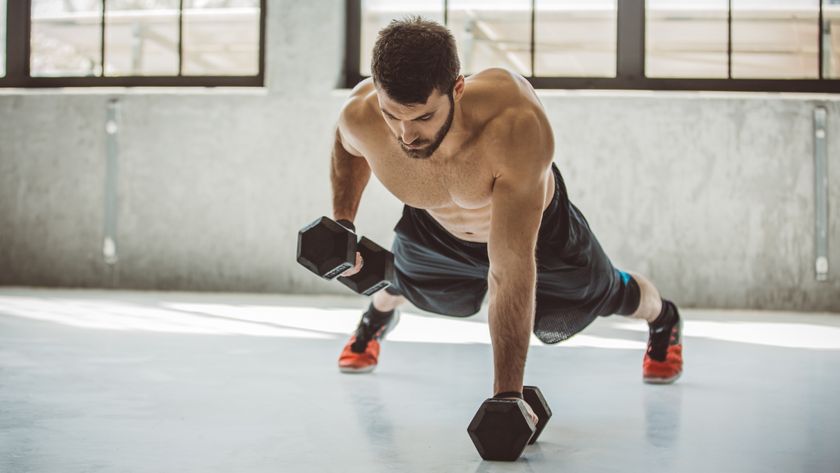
[326,248]
[501,429]
[533,396]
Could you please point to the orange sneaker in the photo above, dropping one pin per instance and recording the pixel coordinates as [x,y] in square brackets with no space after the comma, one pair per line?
[663,363]
[361,353]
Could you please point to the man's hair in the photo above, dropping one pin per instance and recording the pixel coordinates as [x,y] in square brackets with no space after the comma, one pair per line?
[412,57]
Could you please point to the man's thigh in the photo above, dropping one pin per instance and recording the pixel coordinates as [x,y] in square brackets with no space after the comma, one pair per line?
[575,284]
[437,273]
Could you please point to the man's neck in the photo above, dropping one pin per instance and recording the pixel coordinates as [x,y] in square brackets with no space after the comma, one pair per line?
[459,133]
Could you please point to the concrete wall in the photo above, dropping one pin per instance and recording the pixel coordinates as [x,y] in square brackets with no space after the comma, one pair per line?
[711,195]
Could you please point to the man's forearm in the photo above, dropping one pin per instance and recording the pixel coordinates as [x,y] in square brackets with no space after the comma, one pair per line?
[511,319]
[349,175]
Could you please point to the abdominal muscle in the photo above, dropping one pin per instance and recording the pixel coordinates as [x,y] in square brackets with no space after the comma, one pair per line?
[466,224]
[473,224]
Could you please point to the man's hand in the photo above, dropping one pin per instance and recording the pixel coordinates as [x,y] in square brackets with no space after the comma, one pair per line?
[355,269]
[527,409]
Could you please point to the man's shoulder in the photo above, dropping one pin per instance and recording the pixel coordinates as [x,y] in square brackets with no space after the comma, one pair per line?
[499,75]
[522,139]
[358,111]
[516,125]
[501,86]
[505,99]
[358,107]
[520,127]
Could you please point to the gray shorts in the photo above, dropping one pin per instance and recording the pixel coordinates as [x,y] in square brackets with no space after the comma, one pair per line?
[576,282]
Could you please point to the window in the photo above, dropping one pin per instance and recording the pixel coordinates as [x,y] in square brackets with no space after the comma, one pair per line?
[136,43]
[769,40]
[570,38]
[377,15]
[221,39]
[830,39]
[775,40]
[142,41]
[2,38]
[65,38]
[687,39]
[492,33]
[575,39]
[747,45]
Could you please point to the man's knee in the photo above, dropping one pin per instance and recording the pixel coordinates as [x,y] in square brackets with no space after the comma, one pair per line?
[388,300]
[631,295]
[649,301]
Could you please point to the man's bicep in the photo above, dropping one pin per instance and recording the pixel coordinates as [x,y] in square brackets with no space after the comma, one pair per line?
[345,144]
[515,221]
[518,199]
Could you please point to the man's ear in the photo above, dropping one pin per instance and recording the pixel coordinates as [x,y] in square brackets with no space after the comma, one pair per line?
[458,89]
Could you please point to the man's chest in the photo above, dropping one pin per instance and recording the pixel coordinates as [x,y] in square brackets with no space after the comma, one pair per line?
[465,181]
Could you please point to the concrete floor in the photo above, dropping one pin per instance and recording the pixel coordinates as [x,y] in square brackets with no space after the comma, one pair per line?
[98,381]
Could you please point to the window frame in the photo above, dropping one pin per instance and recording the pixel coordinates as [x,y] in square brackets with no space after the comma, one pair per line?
[630,60]
[18,50]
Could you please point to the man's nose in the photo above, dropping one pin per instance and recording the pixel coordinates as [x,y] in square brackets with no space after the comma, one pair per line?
[409,135]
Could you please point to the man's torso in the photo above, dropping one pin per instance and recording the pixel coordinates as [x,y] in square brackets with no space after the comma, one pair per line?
[454,187]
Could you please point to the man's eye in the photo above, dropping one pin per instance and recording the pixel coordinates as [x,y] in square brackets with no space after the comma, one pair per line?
[425,118]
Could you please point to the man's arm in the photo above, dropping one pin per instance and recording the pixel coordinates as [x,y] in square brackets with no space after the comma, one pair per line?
[517,203]
[349,175]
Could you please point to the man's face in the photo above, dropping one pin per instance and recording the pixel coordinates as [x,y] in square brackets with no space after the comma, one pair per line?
[419,128]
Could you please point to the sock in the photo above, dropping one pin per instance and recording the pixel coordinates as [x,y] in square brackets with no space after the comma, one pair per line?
[372,321]
[667,316]
[377,317]
[660,331]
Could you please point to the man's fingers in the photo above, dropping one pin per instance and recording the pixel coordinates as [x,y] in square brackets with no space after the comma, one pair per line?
[355,269]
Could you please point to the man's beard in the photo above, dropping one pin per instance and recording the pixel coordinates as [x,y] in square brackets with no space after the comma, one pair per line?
[426,152]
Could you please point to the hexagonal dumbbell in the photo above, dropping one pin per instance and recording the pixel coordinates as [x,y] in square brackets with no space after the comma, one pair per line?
[328,249]
[501,429]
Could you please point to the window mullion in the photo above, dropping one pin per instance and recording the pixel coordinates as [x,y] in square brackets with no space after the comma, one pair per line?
[630,50]
[820,42]
[181,38]
[446,12]
[102,41]
[729,40]
[17,41]
[533,36]
[353,38]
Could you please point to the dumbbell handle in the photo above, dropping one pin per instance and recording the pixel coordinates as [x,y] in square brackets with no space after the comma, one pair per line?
[362,247]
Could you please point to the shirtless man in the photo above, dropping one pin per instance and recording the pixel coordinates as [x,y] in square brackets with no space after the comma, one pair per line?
[471,159]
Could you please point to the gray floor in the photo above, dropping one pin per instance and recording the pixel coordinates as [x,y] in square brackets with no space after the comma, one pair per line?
[95,381]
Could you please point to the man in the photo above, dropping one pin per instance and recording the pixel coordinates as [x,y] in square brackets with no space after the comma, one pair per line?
[471,159]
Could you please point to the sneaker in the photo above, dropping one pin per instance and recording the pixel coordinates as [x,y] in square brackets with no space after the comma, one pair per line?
[663,361]
[361,353]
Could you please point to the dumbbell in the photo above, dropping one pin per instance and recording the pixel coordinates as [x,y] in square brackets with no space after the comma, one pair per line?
[502,428]
[328,249]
